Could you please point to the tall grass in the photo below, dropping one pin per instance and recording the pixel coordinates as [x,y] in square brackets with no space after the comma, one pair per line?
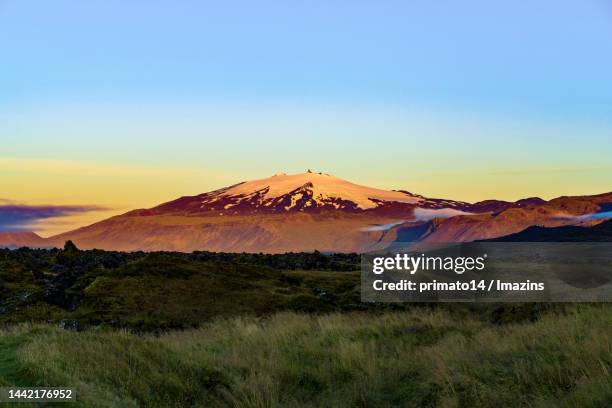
[414,358]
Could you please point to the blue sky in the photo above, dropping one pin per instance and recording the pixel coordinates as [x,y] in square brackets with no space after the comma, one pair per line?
[550,59]
[468,100]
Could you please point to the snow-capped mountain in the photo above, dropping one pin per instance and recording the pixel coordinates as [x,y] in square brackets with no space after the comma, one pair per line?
[307,192]
[312,192]
[308,211]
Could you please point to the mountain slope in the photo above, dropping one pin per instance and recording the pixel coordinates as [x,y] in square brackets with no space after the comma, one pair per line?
[21,239]
[229,233]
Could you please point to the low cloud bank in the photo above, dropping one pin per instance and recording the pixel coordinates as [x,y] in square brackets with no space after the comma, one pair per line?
[602,215]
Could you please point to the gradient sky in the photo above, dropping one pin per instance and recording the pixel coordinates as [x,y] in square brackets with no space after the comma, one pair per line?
[126,104]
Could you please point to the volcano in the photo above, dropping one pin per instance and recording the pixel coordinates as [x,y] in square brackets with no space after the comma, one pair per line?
[308,192]
[316,211]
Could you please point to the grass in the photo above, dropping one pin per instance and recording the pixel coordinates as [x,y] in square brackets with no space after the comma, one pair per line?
[416,358]
[229,330]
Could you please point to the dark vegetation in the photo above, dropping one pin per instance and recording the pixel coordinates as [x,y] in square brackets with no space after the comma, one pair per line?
[164,290]
[569,233]
[172,290]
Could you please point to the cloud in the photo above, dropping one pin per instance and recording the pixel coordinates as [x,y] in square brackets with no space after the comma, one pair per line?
[426,214]
[19,217]
[420,214]
[382,227]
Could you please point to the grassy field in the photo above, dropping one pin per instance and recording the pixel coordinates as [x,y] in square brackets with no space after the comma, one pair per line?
[416,358]
[256,330]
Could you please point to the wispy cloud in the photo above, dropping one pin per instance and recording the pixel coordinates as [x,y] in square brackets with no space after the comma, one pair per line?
[426,214]
[382,227]
[19,217]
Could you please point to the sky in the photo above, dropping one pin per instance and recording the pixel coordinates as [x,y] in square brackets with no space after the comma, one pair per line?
[106,106]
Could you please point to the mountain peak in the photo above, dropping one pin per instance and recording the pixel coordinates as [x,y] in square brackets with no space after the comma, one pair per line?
[322,189]
[302,192]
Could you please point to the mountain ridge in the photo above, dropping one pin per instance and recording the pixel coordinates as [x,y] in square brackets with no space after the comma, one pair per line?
[601,232]
[316,211]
